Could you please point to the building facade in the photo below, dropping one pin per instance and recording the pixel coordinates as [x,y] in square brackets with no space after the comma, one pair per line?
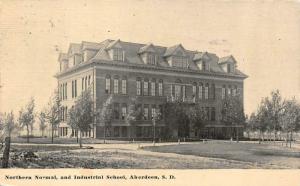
[153,75]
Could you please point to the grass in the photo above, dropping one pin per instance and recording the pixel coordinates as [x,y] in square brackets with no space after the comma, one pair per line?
[196,155]
[246,152]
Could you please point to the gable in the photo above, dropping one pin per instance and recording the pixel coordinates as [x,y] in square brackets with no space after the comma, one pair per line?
[179,51]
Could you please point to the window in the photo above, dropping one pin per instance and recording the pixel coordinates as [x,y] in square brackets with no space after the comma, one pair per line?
[151,59]
[228,68]
[183,92]
[234,91]
[213,114]
[153,109]
[160,88]
[177,91]
[207,113]
[89,81]
[116,111]
[200,91]
[116,85]
[85,83]
[74,89]
[146,112]
[124,86]
[118,54]
[116,132]
[203,65]
[61,92]
[213,91]
[194,89]
[206,91]
[161,111]
[66,113]
[124,111]
[146,87]
[138,87]
[82,83]
[153,88]
[107,84]
[223,92]
[180,61]
[66,87]
[229,91]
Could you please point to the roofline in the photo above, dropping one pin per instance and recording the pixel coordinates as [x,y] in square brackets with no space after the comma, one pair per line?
[128,65]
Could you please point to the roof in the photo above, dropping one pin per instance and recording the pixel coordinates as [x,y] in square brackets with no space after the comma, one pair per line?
[74,48]
[147,48]
[172,49]
[227,59]
[90,45]
[62,56]
[132,53]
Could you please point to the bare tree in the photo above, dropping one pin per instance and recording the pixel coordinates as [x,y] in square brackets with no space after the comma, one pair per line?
[42,122]
[7,126]
[133,115]
[155,118]
[105,115]
[232,113]
[26,117]
[52,113]
[81,114]
[289,118]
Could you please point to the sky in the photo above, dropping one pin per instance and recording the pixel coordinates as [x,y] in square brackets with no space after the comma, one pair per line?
[263,36]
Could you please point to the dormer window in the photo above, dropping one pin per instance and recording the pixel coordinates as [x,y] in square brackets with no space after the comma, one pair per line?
[118,54]
[229,68]
[151,59]
[228,64]
[180,61]
[148,54]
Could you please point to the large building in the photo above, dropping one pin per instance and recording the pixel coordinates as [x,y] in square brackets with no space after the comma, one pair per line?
[154,75]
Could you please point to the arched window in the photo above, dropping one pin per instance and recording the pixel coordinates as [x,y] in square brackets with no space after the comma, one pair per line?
[206,91]
[194,89]
[234,91]
[124,85]
[153,87]
[229,90]
[200,91]
[213,91]
[160,88]
[116,85]
[223,92]
[177,88]
[107,84]
[138,86]
[146,87]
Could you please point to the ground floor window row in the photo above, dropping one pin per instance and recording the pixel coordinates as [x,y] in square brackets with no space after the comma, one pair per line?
[66,131]
[86,81]
[136,131]
[148,111]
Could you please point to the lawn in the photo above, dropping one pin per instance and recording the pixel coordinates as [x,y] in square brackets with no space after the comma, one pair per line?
[257,154]
[191,155]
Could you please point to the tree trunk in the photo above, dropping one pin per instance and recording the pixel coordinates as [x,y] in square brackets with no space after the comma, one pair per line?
[237,134]
[52,134]
[80,139]
[291,138]
[104,134]
[77,140]
[27,133]
[275,135]
[6,153]
[287,138]
[259,138]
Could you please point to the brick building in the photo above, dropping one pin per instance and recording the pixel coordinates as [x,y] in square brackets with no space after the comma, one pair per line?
[154,75]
